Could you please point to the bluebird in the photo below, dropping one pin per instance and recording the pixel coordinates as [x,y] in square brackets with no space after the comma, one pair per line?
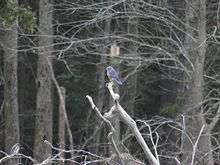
[113,75]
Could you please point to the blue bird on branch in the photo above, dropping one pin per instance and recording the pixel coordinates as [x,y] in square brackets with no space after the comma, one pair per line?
[113,75]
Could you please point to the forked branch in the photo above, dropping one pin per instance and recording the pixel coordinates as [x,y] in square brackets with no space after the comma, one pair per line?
[126,119]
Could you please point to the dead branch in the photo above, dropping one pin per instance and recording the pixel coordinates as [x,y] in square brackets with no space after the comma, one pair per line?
[196,144]
[110,135]
[126,119]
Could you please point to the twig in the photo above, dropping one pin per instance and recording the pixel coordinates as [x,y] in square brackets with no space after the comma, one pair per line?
[214,120]
[15,155]
[152,141]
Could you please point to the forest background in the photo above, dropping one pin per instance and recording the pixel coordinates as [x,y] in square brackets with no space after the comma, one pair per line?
[53,53]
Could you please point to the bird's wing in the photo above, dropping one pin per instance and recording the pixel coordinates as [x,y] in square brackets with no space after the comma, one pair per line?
[113,73]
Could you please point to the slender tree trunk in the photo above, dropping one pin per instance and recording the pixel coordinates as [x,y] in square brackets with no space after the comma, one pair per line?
[132,83]
[44,115]
[1,96]
[194,119]
[11,115]
[62,127]
[116,123]
[101,94]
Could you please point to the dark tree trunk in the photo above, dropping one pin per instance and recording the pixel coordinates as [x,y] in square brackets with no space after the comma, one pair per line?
[11,116]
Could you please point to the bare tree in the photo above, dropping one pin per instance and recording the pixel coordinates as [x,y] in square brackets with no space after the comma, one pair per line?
[159,44]
[195,45]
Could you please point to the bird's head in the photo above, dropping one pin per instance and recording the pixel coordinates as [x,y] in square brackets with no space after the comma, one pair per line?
[109,68]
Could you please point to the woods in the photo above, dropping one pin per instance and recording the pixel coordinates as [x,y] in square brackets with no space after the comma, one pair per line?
[158,104]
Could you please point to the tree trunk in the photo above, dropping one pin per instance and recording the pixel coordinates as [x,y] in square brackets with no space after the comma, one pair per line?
[132,82]
[27,70]
[101,82]
[44,117]
[11,115]
[62,126]
[1,97]
[101,94]
[194,119]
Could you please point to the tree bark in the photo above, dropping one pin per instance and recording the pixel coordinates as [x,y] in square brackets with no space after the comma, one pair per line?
[194,119]
[11,114]
[44,115]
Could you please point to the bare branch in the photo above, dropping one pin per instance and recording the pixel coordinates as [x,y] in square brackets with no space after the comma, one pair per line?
[132,125]
[196,144]
[110,135]
[214,120]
